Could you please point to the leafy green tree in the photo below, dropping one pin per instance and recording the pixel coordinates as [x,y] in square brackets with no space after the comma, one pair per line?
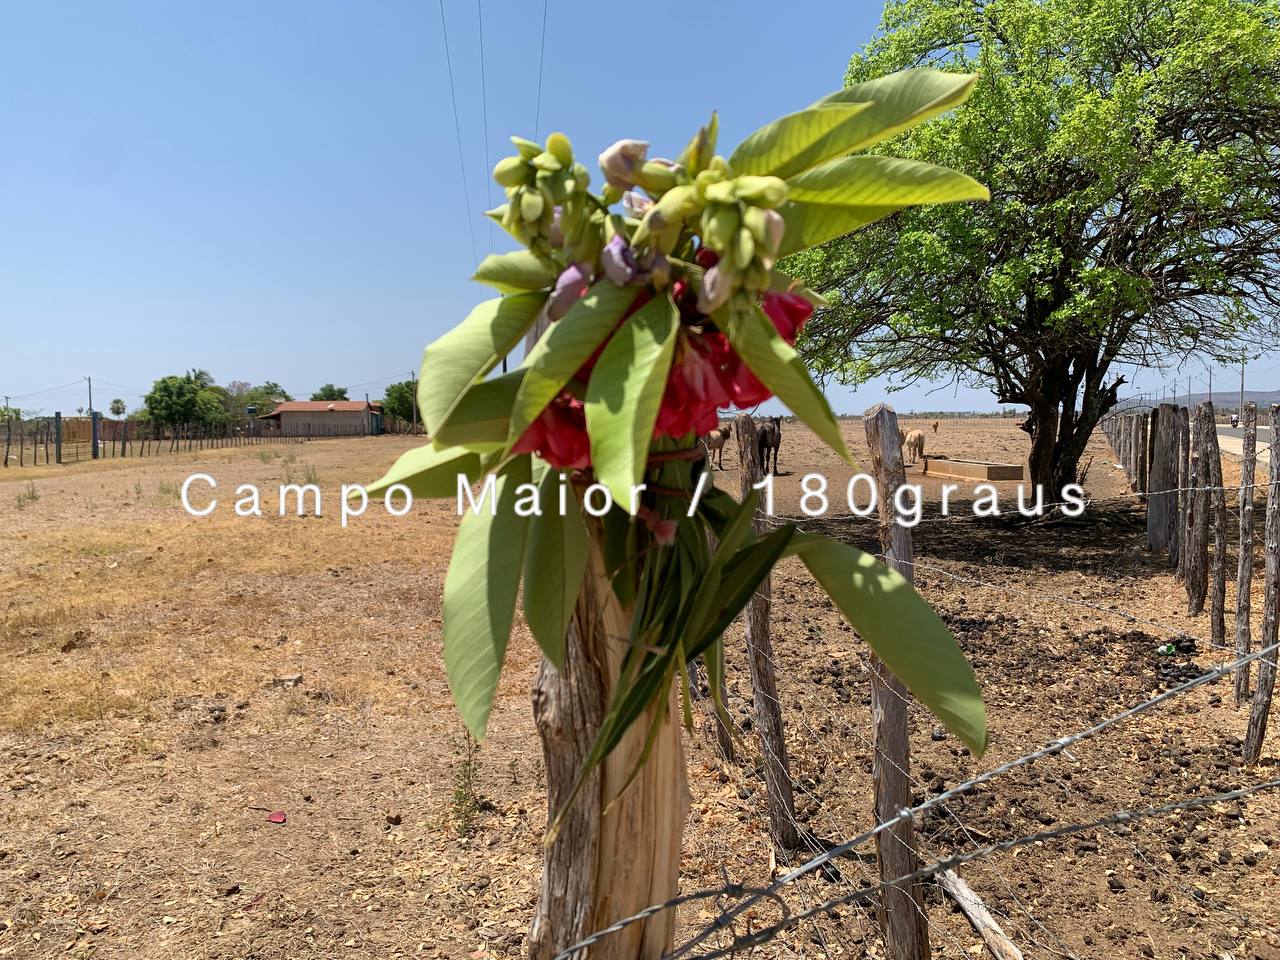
[211,408]
[117,408]
[263,397]
[172,400]
[398,400]
[1131,155]
[330,392]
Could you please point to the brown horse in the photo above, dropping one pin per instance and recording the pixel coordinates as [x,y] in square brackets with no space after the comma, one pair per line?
[769,438]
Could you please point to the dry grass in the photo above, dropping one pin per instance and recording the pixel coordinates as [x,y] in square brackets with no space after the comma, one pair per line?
[149,719]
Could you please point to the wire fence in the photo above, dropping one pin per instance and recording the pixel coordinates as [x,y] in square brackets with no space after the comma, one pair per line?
[1078,781]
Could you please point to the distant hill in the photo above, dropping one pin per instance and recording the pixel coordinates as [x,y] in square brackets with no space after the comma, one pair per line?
[1223,400]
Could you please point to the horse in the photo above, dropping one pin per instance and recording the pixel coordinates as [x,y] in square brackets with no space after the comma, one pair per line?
[915,445]
[769,438]
[714,443]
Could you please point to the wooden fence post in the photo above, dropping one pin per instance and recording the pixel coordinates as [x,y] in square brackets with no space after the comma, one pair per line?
[764,685]
[1141,451]
[1179,523]
[1244,569]
[902,918]
[57,435]
[1162,505]
[1196,565]
[1270,602]
[1216,501]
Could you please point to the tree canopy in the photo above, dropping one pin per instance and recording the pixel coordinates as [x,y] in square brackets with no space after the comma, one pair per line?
[330,392]
[1130,149]
[398,400]
[172,400]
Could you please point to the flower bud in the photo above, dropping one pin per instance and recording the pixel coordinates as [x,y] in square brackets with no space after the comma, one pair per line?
[717,285]
[720,223]
[531,206]
[776,229]
[761,191]
[571,285]
[528,149]
[559,147]
[658,176]
[619,162]
[547,161]
[511,171]
[618,262]
[744,249]
[635,205]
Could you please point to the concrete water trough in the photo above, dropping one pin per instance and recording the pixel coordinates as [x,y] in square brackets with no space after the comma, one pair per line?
[971,469]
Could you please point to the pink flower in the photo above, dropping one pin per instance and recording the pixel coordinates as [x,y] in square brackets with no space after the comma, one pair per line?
[788,311]
[559,435]
[621,162]
[664,531]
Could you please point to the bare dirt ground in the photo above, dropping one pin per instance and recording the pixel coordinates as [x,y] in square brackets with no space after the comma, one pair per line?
[168,682]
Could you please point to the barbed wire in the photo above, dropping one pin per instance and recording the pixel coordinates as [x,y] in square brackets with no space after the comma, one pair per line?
[843,849]
[766,934]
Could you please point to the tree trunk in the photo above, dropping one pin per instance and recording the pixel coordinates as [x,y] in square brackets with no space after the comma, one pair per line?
[613,855]
[1042,424]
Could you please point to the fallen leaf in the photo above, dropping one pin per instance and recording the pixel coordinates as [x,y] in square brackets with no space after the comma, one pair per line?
[276,816]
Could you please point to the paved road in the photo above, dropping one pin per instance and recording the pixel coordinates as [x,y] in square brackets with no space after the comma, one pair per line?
[1231,440]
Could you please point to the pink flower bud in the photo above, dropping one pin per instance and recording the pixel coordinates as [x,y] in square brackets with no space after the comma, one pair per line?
[621,161]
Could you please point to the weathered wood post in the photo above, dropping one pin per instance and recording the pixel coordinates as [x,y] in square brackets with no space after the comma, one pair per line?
[902,916]
[603,866]
[1162,505]
[1270,603]
[1141,451]
[1217,502]
[1196,568]
[1184,474]
[764,685]
[1244,569]
[1177,499]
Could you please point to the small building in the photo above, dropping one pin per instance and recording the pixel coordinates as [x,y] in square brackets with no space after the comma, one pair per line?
[327,418]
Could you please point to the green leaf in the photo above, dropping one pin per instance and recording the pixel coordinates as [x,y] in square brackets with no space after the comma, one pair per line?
[903,630]
[743,574]
[430,471]
[564,348]
[555,559]
[469,351]
[515,272]
[796,142]
[480,597]
[780,368]
[898,102]
[698,153]
[479,421]
[624,393]
[843,195]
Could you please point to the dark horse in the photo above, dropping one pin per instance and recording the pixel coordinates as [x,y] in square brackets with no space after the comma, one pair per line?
[769,437]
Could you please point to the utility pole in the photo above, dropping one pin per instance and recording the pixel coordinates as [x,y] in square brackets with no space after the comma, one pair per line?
[89,380]
[1210,369]
[413,398]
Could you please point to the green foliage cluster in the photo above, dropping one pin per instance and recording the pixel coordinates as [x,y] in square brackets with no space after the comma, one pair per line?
[791,184]
[1131,150]
[194,398]
[330,392]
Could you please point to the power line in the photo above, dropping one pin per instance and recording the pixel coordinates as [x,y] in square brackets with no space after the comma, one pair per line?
[457,129]
[542,55]
[36,393]
[484,113]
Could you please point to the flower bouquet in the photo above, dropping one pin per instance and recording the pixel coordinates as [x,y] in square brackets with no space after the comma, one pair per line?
[648,307]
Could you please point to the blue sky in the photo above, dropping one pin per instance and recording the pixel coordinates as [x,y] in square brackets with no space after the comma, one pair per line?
[273,191]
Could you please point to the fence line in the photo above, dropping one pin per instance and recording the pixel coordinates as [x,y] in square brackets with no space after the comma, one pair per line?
[844,849]
[57,439]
